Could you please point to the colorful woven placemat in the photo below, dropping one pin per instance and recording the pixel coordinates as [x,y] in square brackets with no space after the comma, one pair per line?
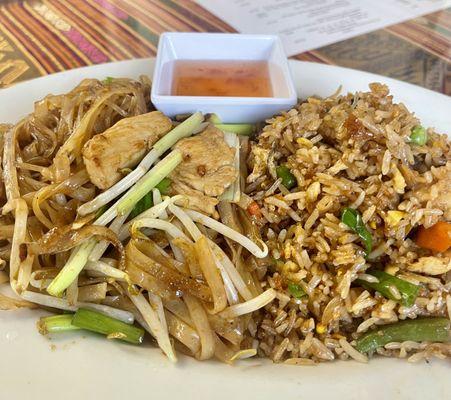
[39,37]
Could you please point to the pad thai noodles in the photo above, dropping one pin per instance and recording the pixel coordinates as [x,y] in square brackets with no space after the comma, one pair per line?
[323,235]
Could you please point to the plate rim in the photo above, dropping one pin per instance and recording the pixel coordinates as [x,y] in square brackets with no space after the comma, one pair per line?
[364,389]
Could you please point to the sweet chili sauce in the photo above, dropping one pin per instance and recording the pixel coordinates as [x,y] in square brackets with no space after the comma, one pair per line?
[241,78]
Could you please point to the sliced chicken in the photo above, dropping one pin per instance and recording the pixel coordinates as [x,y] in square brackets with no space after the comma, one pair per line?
[259,161]
[439,194]
[195,199]
[122,146]
[431,265]
[207,168]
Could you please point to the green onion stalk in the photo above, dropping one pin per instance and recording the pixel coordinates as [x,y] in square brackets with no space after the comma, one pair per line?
[353,220]
[296,290]
[56,323]
[238,129]
[147,201]
[96,322]
[408,291]
[417,330]
[92,321]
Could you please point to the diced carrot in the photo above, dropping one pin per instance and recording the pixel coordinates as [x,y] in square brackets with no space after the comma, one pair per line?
[254,209]
[436,238]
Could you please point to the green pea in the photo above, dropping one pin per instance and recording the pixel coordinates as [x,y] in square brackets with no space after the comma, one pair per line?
[419,135]
[288,179]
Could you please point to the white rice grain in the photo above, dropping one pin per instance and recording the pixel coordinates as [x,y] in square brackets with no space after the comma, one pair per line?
[394,292]
[282,327]
[417,357]
[368,213]
[294,215]
[316,139]
[283,299]
[252,327]
[313,283]
[359,200]
[276,202]
[365,325]
[282,235]
[280,350]
[294,196]
[266,215]
[280,317]
[311,219]
[393,346]
[352,352]
[380,250]
[321,351]
[368,278]
[305,344]
[273,187]
[291,321]
[344,285]
[361,305]
[386,162]
[313,192]
[306,259]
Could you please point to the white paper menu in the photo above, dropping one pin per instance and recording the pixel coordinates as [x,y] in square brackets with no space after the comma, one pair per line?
[309,24]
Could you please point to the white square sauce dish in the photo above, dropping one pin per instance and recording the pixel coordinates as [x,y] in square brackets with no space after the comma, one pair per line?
[241,78]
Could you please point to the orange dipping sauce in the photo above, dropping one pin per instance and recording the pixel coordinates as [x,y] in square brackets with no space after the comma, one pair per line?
[221,78]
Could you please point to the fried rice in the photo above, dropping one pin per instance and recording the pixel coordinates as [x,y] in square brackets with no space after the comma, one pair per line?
[347,151]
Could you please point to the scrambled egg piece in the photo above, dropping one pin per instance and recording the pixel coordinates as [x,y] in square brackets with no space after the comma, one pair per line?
[399,183]
[394,217]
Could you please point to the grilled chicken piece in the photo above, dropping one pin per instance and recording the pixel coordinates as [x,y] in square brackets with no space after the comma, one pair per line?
[195,200]
[438,194]
[122,146]
[208,163]
[206,171]
[431,265]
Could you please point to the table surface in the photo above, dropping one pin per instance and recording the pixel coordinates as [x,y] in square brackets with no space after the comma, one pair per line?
[39,37]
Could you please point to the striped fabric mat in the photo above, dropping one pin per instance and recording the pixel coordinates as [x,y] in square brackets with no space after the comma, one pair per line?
[39,37]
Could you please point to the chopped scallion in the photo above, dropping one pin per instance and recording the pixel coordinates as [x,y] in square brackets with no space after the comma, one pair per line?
[353,220]
[56,323]
[214,119]
[408,291]
[113,328]
[101,210]
[142,205]
[418,330]
[164,186]
[296,291]
[148,181]
[238,129]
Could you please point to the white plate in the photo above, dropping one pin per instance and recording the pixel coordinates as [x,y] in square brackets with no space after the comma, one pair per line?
[90,367]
